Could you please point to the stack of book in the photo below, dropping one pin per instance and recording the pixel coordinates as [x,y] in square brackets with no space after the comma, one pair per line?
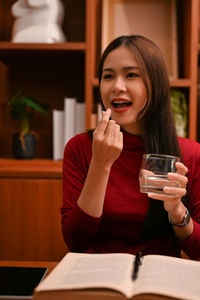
[66,124]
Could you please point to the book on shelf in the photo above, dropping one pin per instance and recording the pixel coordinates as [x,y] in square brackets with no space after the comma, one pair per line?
[80,119]
[69,118]
[58,134]
[66,124]
[121,276]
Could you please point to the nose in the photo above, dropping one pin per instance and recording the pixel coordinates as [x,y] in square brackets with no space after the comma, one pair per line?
[119,86]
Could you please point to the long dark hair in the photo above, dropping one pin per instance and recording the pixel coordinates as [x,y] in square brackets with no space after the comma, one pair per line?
[159,132]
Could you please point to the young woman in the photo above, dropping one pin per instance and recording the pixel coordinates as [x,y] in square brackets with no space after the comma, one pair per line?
[103,210]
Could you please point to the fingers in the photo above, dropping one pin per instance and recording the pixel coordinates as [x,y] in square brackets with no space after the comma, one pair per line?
[181,168]
[107,140]
[169,194]
[178,192]
[113,136]
[174,192]
[118,135]
[179,177]
[110,129]
[101,128]
[181,180]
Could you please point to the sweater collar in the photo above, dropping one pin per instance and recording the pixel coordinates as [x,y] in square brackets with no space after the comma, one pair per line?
[132,142]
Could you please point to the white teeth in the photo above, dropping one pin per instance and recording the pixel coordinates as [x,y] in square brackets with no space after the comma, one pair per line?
[120,101]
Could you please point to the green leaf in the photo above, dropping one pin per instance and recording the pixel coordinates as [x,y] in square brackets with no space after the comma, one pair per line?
[23,108]
[180,111]
[32,103]
[15,98]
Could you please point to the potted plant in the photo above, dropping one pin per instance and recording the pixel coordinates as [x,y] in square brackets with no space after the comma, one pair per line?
[23,109]
[180,111]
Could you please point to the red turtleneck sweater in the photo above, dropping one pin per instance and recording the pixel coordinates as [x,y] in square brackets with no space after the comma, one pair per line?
[120,228]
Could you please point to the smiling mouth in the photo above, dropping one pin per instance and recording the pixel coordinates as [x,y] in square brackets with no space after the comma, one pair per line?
[121,103]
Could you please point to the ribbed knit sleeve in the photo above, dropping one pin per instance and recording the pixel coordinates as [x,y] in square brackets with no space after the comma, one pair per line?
[79,228]
[191,155]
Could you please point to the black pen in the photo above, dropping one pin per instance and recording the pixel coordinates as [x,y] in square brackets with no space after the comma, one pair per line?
[137,263]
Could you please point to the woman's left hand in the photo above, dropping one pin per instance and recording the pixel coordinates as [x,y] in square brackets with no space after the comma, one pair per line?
[173,195]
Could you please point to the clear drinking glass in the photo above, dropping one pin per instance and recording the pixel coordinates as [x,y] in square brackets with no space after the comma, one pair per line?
[153,172]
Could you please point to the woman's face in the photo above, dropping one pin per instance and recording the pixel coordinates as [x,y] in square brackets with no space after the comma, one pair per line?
[123,90]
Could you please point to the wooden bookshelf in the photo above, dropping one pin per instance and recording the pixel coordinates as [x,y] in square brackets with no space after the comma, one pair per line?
[50,72]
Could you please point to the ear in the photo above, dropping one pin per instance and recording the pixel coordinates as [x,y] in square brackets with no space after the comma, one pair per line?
[37,3]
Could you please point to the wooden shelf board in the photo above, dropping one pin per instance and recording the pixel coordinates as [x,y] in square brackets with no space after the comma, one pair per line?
[43,46]
[35,168]
[180,82]
[9,48]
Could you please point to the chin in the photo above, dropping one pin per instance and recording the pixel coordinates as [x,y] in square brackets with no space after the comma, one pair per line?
[123,123]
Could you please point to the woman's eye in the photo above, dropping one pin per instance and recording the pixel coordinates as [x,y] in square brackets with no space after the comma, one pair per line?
[131,74]
[107,76]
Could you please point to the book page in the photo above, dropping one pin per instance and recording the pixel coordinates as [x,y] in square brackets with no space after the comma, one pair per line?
[175,277]
[78,271]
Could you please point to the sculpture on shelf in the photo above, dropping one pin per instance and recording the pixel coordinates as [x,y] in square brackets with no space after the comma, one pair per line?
[38,21]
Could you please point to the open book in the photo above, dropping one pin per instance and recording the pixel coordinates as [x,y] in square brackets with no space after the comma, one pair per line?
[110,276]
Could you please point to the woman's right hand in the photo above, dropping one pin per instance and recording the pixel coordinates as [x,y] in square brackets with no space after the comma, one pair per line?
[107,141]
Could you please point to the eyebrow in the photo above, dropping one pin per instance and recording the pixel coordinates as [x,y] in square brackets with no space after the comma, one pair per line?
[124,69]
